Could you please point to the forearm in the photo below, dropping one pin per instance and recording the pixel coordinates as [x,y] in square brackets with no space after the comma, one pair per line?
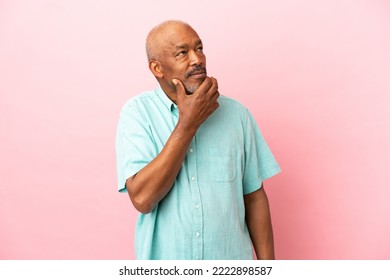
[259,224]
[155,180]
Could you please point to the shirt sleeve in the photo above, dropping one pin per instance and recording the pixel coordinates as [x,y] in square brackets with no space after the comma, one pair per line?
[134,145]
[260,163]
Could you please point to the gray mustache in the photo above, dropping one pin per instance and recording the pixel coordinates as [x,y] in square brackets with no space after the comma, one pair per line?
[196,69]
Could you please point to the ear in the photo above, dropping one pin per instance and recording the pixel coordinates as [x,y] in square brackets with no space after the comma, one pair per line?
[156,68]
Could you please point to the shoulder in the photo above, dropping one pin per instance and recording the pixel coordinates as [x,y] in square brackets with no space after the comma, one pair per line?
[140,100]
[229,101]
[135,108]
[232,106]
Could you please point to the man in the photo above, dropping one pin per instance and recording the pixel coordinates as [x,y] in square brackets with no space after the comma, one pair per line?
[192,161]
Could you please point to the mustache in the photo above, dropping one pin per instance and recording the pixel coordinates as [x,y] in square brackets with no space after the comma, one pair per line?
[196,70]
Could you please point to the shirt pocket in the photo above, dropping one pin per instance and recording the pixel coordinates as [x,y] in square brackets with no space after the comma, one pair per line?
[223,164]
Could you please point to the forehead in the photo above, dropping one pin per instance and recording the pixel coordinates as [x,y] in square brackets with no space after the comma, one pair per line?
[178,35]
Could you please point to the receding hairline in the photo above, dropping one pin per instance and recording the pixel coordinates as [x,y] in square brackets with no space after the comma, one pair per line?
[159,29]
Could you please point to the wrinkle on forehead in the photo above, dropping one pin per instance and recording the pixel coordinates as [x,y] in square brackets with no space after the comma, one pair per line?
[157,40]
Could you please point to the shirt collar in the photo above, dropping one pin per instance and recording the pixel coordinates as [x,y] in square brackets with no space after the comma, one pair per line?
[165,99]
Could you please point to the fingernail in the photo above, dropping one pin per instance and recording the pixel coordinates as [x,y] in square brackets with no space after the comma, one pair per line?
[174,81]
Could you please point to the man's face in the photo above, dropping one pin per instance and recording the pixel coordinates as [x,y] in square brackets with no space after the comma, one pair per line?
[183,58]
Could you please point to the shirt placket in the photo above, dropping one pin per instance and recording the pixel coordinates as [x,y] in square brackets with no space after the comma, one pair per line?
[197,208]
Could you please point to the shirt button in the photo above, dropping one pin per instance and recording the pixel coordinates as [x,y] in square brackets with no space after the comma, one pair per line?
[193,178]
[191,150]
[197,234]
[197,206]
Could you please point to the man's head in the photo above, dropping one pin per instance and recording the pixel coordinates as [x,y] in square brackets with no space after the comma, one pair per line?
[175,51]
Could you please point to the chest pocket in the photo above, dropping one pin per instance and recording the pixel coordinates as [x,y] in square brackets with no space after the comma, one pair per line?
[223,164]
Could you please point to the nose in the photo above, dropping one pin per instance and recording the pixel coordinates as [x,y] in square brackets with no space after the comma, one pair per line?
[195,58]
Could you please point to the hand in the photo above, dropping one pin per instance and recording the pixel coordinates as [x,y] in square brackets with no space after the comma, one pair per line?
[194,109]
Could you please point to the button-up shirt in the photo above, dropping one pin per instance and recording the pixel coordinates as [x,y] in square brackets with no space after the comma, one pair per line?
[203,215]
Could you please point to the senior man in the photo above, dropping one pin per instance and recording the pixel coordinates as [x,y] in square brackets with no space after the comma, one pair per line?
[193,161]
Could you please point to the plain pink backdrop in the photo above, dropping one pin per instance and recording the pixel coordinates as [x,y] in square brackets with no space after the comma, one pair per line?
[315,74]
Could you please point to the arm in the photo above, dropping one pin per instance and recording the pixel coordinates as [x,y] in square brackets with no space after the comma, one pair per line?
[153,182]
[258,219]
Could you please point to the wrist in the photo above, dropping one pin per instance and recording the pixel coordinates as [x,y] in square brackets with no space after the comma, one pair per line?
[185,129]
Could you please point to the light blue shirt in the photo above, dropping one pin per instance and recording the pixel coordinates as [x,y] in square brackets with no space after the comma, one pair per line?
[203,215]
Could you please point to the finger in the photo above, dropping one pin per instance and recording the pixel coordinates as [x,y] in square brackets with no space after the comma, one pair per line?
[215,82]
[180,89]
[214,106]
[214,88]
[215,96]
[205,86]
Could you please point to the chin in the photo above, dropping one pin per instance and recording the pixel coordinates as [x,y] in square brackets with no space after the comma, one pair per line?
[190,89]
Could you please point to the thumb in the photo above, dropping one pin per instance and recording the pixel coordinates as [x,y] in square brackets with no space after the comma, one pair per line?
[179,86]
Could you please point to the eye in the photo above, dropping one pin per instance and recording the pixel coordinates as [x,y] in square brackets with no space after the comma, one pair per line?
[199,49]
[182,53]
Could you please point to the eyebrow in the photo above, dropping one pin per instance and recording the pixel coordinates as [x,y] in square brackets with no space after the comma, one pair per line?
[185,46]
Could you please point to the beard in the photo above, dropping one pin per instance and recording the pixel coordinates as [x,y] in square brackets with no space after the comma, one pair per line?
[191,88]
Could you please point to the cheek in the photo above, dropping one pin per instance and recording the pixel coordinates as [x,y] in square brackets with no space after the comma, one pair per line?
[173,70]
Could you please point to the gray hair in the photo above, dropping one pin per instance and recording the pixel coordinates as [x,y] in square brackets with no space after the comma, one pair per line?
[151,45]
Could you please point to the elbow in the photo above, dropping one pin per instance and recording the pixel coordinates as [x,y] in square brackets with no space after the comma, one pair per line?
[143,207]
[142,204]
[140,200]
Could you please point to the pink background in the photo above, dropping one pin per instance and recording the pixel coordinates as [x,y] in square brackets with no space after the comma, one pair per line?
[315,74]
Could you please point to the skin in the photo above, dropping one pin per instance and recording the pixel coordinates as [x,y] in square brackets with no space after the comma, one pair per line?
[258,220]
[176,59]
